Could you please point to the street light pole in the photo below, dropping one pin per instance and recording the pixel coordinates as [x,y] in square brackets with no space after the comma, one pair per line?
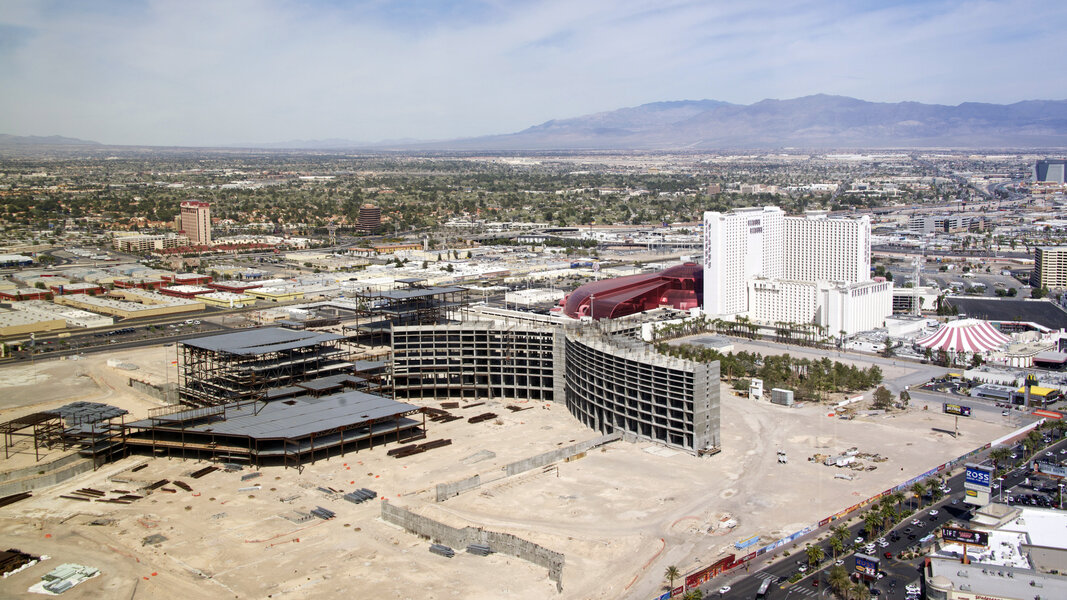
[1001,480]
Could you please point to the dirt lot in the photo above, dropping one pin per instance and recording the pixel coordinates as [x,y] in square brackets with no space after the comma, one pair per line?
[620,515]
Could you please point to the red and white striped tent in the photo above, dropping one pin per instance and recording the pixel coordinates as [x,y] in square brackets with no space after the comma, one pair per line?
[965,335]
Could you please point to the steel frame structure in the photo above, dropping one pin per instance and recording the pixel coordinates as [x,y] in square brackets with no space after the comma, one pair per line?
[212,377]
[186,433]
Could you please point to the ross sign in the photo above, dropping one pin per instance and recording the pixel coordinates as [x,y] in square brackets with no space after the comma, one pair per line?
[979,477]
[867,566]
[965,536]
[957,409]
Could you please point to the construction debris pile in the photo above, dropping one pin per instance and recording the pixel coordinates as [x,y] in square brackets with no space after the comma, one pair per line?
[851,458]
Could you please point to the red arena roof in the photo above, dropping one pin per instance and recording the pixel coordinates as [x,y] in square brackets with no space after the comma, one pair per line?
[965,335]
[680,287]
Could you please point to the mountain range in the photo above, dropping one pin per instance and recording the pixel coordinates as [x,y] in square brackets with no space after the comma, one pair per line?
[811,122]
[818,121]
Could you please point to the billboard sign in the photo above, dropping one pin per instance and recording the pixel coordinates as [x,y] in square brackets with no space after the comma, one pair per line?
[1051,469]
[965,536]
[746,543]
[979,477]
[867,566]
[957,409]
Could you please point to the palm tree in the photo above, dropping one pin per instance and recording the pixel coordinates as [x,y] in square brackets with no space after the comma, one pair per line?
[919,489]
[842,533]
[998,454]
[858,591]
[936,492]
[837,545]
[815,555]
[693,594]
[872,521]
[838,579]
[889,514]
[898,499]
[671,574]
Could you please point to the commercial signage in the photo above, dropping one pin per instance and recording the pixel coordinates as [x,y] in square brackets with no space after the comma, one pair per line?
[1048,414]
[1051,469]
[957,409]
[867,566]
[746,543]
[965,536]
[978,477]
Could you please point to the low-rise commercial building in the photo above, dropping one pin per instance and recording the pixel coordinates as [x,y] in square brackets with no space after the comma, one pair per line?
[13,322]
[225,299]
[148,243]
[132,304]
[73,316]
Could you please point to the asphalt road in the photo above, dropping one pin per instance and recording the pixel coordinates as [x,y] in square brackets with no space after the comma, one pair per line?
[898,573]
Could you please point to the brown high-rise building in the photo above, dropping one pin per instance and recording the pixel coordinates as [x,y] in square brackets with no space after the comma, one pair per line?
[196,222]
[370,217]
[1050,267]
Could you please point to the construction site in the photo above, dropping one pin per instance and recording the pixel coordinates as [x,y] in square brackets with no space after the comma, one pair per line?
[519,476]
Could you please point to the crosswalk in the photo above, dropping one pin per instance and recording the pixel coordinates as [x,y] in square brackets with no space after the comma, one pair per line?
[796,589]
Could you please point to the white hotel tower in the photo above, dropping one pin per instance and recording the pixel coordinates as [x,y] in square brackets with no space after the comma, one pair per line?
[772,268]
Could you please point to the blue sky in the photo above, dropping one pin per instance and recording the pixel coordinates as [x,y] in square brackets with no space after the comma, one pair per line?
[221,72]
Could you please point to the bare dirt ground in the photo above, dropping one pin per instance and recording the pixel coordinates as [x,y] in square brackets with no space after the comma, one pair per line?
[621,515]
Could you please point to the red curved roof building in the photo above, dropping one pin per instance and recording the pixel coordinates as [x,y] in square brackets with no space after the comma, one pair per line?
[681,287]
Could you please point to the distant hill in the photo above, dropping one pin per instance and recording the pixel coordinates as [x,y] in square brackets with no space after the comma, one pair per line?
[815,122]
[37,140]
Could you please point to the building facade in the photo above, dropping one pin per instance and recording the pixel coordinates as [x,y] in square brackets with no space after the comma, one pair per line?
[1050,267]
[476,359]
[774,269]
[738,246]
[609,382]
[148,243]
[370,217]
[1051,171]
[196,222]
[612,384]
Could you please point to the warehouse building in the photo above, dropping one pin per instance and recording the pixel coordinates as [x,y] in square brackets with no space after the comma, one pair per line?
[131,304]
[72,316]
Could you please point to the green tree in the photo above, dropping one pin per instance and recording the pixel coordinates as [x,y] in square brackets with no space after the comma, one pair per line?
[838,579]
[671,574]
[883,398]
[918,489]
[872,521]
[815,555]
[837,545]
[858,591]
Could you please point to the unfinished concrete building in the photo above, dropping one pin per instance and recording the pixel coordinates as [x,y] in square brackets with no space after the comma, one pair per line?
[608,381]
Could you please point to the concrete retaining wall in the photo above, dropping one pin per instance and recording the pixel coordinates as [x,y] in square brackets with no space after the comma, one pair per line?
[47,479]
[455,488]
[541,460]
[167,392]
[36,469]
[459,539]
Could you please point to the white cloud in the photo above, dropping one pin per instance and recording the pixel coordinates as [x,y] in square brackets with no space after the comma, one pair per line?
[189,73]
